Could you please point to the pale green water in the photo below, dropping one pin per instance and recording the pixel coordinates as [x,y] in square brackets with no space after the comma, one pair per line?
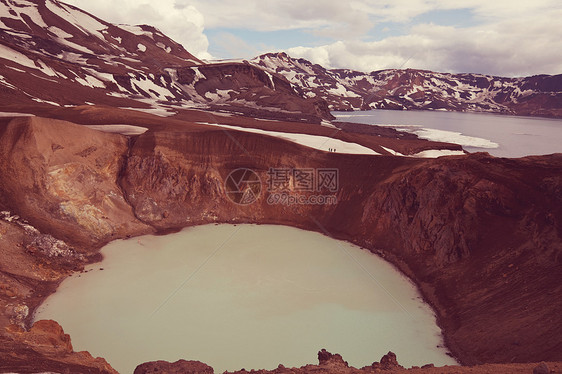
[244,296]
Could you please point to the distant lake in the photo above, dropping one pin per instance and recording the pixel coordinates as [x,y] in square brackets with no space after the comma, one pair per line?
[245,296]
[500,135]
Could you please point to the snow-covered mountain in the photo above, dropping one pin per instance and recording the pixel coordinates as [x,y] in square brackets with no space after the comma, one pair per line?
[418,89]
[56,54]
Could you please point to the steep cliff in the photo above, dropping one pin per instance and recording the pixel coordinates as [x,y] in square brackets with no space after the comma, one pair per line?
[63,184]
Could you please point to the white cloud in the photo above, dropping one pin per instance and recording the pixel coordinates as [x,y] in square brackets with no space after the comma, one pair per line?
[512,37]
[508,37]
[512,47]
[184,24]
[271,15]
[330,17]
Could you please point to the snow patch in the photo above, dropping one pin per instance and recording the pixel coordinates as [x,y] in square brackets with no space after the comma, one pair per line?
[78,18]
[73,45]
[434,153]
[327,124]
[46,69]
[219,95]
[17,57]
[442,136]
[212,96]
[152,88]
[16,69]
[90,81]
[322,143]
[59,33]
[141,47]
[12,114]
[74,58]
[30,10]
[137,30]
[392,151]
[164,47]
[6,83]
[430,153]
[270,79]
[128,130]
[45,101]
[160,112]
[340,90]
[454,137]
[198,75]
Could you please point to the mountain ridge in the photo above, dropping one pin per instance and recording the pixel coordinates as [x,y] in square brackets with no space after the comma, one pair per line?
[407,89]
[95,62]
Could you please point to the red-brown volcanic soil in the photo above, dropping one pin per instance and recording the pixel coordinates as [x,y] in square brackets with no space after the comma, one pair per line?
[481,236]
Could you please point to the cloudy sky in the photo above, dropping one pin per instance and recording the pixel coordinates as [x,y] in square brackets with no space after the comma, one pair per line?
[500,37]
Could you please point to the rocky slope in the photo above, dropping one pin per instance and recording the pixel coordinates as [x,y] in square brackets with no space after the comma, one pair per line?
[493,223]
[539,95]
[47,42]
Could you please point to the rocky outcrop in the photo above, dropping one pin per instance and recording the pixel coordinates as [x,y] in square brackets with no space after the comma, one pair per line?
[401,89]
[388,362]
[334,364]
[178,367]
[326,358]
[47,173]
[45,347]
[541,368]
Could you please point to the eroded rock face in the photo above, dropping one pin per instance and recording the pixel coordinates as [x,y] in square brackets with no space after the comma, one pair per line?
[45,347]
[326,358]
[46,172]
[47,336]
[388,362]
